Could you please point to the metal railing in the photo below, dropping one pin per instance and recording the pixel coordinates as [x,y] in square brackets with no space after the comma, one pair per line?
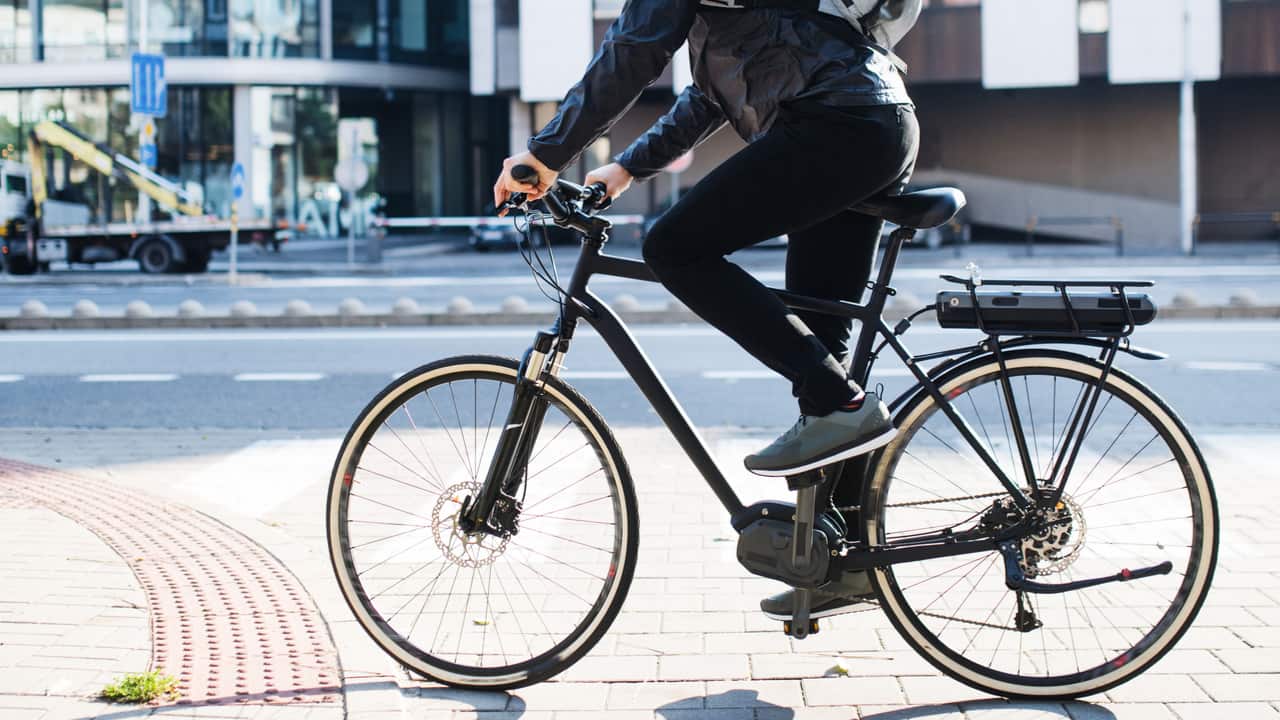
[1237,218]
[1036,222]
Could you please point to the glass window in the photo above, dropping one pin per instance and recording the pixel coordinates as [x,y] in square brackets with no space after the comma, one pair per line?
[1095,17]
[12,143]
[316,122]
[274,28]
[354,25]
[15,31]
[426,154]
[83,30]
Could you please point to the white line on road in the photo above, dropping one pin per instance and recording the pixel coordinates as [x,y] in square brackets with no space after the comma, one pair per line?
[1226,366]
[279,377]
[10,378]
[129,378]
[594,375]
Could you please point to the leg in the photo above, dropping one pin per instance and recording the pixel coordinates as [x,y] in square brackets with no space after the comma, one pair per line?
[832,260]
[810,166]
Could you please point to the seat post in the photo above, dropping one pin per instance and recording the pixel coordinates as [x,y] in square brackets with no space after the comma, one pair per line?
[879,295]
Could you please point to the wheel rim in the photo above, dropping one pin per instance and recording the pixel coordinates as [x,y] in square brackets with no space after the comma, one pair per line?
[958,610]
[155,258]
[483,611]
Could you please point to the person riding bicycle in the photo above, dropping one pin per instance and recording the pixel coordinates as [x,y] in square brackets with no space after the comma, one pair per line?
[829,124]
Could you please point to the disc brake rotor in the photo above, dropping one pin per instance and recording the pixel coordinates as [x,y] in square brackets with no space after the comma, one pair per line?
[470,550]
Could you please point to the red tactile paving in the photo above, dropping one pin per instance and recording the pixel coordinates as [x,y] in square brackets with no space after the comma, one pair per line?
[227,619]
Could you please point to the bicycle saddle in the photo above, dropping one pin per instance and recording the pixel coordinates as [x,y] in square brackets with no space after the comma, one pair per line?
[921,209]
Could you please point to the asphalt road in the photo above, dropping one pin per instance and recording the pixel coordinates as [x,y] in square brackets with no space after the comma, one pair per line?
[432,275]
[1220,374]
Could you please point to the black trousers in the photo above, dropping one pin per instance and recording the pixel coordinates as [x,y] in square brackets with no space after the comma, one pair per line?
[799,179]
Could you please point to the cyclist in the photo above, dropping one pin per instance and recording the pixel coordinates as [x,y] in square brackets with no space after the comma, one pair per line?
[828,123]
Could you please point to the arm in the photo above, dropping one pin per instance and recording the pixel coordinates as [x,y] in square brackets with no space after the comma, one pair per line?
[638,47]
[692,119]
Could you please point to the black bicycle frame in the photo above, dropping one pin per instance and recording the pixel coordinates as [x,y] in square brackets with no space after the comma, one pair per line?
[582,304]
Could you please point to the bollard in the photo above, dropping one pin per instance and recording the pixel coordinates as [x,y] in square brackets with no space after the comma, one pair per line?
[515,304]
[460,306]
[34,309]
[85,309]
[138,310]
[243,309]
[350,307]
[405,306]
[190,309]
[626,303]
[297,308]
[1185,299]
[1244,297]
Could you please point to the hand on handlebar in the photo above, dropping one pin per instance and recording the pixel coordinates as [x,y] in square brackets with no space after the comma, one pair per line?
[507,185]
[615,178]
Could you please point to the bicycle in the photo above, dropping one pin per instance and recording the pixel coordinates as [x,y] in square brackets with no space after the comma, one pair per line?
[983,561]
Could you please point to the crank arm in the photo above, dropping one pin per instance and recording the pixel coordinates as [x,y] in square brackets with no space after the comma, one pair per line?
[1016,579]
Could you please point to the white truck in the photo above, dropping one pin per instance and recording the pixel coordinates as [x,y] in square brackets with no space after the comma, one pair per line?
[36,230]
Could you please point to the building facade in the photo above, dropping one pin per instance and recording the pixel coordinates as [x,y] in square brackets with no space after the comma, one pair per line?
[1041,110]
[292,89]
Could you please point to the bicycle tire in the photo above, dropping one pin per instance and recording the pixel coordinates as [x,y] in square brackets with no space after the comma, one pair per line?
[586,633]
[908,621]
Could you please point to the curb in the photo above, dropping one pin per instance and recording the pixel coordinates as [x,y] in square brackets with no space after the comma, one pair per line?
[637,315]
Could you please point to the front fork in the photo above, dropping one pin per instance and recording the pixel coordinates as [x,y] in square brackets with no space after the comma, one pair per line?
[495,509]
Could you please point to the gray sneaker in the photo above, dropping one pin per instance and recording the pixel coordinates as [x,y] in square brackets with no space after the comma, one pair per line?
[841,596]
[816,441]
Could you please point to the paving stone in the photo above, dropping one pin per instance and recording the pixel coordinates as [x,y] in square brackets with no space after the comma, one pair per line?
[1237,688]
[748,643]
[703,667]
[1251,660]
[659,644]
[1122,711]
[706,714]
[1013,710]
[656,695]
[560,696]
[1157,688]
[1225,711]
[1188,662]
[756,693]
[625,668]
[702,622]
[851,691]
[896,712]
[937,689]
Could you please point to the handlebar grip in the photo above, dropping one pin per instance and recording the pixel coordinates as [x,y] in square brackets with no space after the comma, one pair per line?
[525,174]
[603,201]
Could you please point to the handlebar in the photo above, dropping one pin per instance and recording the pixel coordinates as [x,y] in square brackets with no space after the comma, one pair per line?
[594,197]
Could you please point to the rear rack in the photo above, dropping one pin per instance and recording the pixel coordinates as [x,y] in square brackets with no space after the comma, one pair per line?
[1119,288]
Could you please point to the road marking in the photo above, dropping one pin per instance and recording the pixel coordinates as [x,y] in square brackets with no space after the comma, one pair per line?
[733,375]
[1226,366]
[594,375]
[279,377]
[129,378]
[10,378]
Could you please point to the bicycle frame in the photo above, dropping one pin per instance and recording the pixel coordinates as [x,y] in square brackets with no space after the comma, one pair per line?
[547,353]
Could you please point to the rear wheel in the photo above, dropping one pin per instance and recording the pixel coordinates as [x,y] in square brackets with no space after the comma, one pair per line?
[479,610]
[1139,494]
[156,256]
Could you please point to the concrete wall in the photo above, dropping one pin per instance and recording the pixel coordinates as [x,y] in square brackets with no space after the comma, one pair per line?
[1239,151]
[1116,139]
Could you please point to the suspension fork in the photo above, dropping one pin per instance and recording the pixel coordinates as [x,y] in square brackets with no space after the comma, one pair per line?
[519,433]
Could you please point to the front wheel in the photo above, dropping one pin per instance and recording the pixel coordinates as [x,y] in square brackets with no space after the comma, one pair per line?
[480,610]
[1139,494]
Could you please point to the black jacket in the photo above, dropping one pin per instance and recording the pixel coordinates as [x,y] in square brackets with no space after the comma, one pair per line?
[745,64]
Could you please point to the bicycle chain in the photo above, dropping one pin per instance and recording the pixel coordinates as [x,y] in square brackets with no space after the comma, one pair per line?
[939,501]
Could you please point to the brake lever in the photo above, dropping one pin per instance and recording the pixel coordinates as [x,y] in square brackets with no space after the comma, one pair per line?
[600,199]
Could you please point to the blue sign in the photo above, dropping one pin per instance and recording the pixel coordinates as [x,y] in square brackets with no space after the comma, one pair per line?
[237,181]
[147,154]
[149,94]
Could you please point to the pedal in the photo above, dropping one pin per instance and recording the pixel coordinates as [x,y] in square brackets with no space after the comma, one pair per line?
[813,629]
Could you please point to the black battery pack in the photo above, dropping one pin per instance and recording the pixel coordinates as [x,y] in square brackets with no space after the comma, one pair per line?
[1082,313]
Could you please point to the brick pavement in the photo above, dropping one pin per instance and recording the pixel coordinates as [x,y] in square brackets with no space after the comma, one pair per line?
[689,643]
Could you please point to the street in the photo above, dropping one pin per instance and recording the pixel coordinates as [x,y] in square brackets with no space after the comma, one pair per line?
[1219,374]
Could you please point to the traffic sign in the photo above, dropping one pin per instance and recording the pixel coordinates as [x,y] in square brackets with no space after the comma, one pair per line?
[147,154]
[148,92]
[237,181]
